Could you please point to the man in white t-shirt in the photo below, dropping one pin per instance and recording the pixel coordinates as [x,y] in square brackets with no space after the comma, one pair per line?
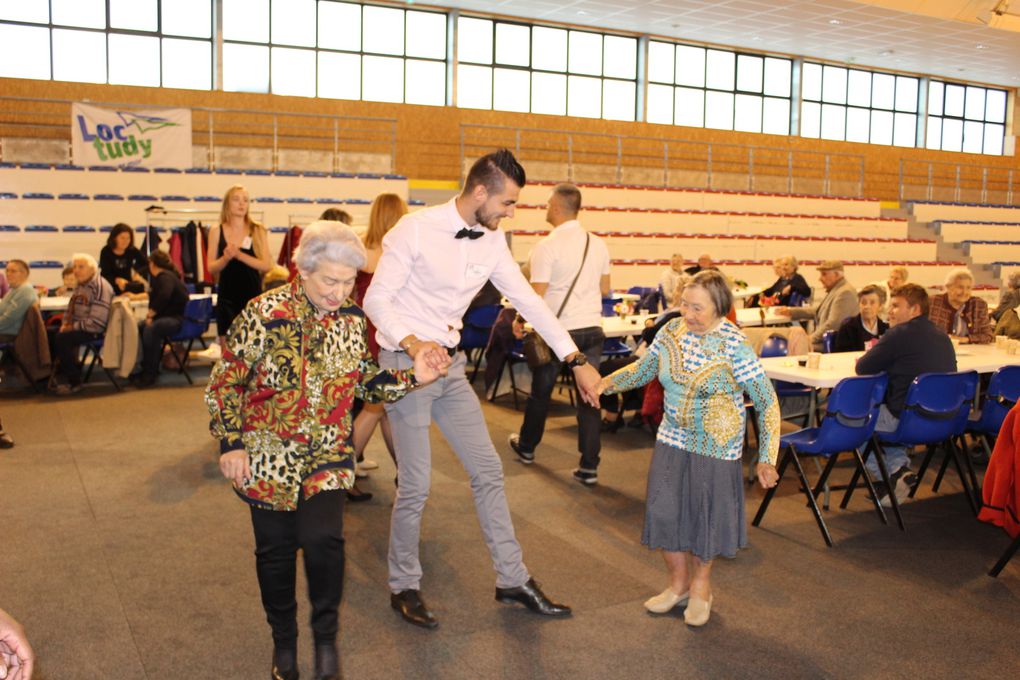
[570,270]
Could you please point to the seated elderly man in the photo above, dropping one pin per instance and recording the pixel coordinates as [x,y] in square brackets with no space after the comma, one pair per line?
[16,303]
[85,320]
[960,314]
[839,303]
[671,277]
[704,262]
[1009,296]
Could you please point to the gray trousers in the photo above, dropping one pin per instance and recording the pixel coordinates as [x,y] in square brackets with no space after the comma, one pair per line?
[453,405]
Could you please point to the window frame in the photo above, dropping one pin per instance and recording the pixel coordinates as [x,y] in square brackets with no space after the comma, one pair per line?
[963,119]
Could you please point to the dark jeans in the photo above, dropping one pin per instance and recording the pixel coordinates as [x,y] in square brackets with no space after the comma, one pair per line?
[589,421]
[316,527]
[152,336]
[65,345]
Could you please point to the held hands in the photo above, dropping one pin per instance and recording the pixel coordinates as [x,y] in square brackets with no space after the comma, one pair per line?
[234,466]
[230,251]
[430,363]
[767,475]
[603,385]
[16,656]
[121,283]
[587,380]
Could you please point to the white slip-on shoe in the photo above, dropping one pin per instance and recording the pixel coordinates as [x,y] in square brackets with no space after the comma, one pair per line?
[698,611]
[664,601]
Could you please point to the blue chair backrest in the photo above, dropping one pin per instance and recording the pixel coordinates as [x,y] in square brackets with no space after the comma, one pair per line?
[797,300]
[478,326]
[607,306]
[937,407]
[774,346]
[198,314]
[851,413]
[1002,394]
[828,341]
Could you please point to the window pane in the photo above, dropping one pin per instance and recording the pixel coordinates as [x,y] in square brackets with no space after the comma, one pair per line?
[660,63]
[426,35]
[883,89]
[187,17]
[905,129]
[584,97]
[618,99]
[24,52]
[881,127]
[134,60]
[749,73]
[811,82]
[777,76]
[245,68]
[426,82]
[340,28]
[906,94]
[187,64]
[474,37]
[659,105]
[975,103]
[690,66]
[833,122]
[719,69]
[935,91]
[139,15]
[293,23]
[858,123]
[246,20]
[513,45]
[833,86]
[689,107]
[384,32]
[973,136]
[952,134]
[954,102]
[474,87]
[810,119]
[339,75]
[995,106]
[382,78]
[585,53]
[84,13]
[511,90]
[776,116]
[549,50]
[934,139]
[858,86]
[620,58]
[993,139]
[719,110]
[79,56]
[748,113]
[548,92]
[293,72]
[35,11]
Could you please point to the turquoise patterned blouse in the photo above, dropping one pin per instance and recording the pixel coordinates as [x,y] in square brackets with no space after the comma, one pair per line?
[705,378]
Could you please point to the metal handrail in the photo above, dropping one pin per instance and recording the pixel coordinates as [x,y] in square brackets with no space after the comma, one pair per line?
[958,182]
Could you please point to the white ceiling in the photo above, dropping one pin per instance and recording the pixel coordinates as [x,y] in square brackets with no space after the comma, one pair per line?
[920,41]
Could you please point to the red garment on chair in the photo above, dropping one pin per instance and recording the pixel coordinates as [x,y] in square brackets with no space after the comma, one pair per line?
[652,406]
[1001,493]
[286,256]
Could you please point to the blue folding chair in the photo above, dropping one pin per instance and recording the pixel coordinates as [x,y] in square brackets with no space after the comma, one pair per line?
[95,348]
[848,426]
[607,305]
[515,356]
[614,348]
[777,346]
[198,315]
[475,334]
[828,341]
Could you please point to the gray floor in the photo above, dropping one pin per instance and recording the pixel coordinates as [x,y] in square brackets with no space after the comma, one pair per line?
[125,555]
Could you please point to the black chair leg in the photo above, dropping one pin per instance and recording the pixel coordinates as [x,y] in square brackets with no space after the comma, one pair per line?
[964,482]
[784,461]
[942,471]
[824,477]
[880,459]
[478,363]
[924,468]
[811,499]
[499,378]
[1006,557]
[856,476]
[871,487]
[969,462]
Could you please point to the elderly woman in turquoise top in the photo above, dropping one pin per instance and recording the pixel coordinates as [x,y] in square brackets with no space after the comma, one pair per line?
[694,509]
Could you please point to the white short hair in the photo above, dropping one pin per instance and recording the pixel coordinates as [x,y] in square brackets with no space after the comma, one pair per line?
[958,274]
[331,241]
[86,258]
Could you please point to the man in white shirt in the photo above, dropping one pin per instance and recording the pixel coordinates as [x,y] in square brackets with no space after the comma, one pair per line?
[570,269]
[434,261]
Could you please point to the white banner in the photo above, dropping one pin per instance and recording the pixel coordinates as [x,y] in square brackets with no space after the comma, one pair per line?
[148,139]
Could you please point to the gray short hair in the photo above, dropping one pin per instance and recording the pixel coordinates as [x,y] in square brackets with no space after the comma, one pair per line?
[86,258]
[872,289]
[718,288]
[958,274]
[1013,281]
[331,241]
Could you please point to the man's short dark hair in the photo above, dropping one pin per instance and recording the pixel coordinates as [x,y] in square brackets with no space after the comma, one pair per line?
[337,215]
[914,295]
[492,170]
[571,197]
[22,264]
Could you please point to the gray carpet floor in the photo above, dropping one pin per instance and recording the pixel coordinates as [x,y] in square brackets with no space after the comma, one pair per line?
[125,555]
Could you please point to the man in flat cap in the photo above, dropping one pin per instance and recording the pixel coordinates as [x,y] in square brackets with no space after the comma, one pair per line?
[839,303]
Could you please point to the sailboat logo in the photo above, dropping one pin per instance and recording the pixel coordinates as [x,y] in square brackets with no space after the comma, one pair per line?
[144,123]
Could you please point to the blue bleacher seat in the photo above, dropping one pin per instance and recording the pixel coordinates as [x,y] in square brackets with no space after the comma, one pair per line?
[36,166]
[416,201]
[267,199]
[111,197]
[67,166]
[343,175]
[328,200]
[73,197]
[207,199]
[256,171]
[102,168]
[299,199]
[278,230]
[106,229]
[46,264]
[79,228]
[391,176]
[41,195]
[197,171]
[168,171]
[41,228]
[315,173]
[228,171]
[9,227]
[133,168]
[7,195]
[134,197]
[5,164]
[358,201]
[174,197]
[287,173]
[369,175]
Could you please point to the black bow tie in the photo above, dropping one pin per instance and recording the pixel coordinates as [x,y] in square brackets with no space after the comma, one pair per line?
[467,233]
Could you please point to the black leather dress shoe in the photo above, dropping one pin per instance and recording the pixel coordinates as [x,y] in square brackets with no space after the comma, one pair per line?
[284,664]
[411,607]
[327,663]
[532,597]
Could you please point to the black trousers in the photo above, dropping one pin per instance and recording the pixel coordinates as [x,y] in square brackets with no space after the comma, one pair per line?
[65,345]
[316,527]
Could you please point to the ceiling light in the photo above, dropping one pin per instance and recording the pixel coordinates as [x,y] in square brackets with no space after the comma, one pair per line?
[981,47]
[835,22]
[886,53]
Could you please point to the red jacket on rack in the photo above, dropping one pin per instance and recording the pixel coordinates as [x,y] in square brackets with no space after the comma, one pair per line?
[1001,492]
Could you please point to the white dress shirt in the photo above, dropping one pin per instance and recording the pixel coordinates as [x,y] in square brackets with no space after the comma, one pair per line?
[556,259]
[426,279]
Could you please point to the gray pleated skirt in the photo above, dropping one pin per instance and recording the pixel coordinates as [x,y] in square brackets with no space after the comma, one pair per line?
[695,504]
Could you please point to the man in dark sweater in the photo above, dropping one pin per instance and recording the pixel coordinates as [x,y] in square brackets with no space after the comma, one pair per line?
[912,346]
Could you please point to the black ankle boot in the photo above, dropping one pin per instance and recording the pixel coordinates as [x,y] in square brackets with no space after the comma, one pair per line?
[284,664]
[327,664]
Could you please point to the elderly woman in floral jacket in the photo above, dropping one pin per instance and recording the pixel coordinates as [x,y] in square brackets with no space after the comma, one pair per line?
[280,401]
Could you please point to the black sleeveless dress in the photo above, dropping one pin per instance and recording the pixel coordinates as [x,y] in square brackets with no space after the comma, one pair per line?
[238,283]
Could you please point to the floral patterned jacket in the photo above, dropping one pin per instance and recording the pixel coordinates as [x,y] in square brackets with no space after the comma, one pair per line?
[283,392]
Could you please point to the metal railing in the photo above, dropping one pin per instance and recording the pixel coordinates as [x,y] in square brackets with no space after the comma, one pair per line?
[275,140]
[558,155]
[958,183]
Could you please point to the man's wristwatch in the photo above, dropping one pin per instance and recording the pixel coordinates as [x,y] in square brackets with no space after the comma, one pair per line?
[579,360]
